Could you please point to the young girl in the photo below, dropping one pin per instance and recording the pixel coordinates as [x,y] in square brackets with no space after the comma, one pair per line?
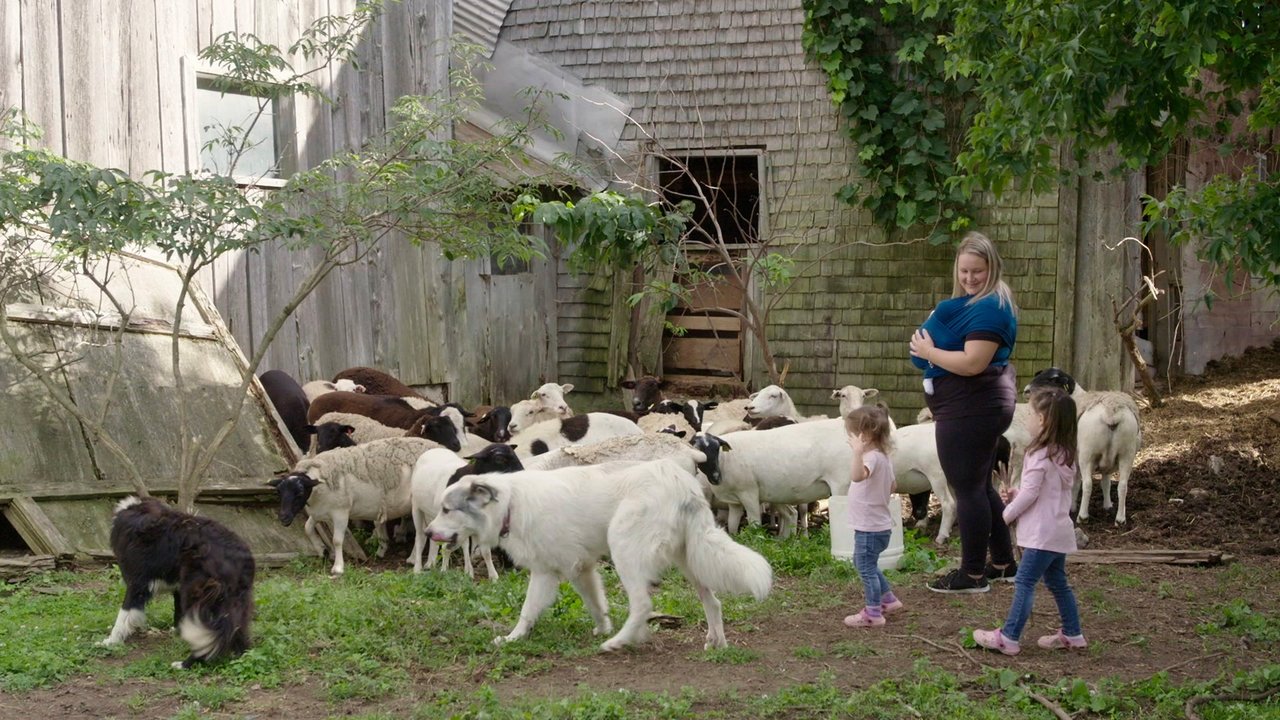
[873,482]
[1042,508]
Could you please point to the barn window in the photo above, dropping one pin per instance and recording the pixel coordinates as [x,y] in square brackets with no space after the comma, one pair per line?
[243,131]
[704,339]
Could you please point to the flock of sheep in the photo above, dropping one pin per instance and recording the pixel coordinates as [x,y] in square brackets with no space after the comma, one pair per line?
[377,451]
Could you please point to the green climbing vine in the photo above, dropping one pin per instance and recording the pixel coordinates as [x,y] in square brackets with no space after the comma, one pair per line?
[886,73]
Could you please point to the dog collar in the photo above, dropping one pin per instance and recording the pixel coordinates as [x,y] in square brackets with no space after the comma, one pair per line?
[506,524]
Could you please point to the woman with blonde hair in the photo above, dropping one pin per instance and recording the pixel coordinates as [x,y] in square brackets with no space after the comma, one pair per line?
[963,347]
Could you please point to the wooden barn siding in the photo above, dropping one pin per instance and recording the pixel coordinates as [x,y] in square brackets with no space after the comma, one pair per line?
[125,102]
[730,74]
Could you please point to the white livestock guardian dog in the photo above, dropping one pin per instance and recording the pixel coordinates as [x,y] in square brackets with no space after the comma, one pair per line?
[560,523]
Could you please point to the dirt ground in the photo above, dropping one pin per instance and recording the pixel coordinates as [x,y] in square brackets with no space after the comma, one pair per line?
[1208,476]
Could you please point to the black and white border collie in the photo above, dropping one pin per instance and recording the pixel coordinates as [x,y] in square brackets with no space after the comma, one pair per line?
[208,568]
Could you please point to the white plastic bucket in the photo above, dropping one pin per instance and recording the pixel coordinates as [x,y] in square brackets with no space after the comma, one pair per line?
[842,531]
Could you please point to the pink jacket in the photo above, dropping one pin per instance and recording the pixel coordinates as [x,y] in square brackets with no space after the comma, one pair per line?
[1042,505]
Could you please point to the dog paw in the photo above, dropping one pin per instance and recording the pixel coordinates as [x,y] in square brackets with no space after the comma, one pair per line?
[604,629]
[715,643]
[177,665]
[612,645]
[501,640]
[107,642]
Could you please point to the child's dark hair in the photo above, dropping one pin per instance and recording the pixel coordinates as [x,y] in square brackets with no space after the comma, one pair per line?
[1058,429]
[872,420]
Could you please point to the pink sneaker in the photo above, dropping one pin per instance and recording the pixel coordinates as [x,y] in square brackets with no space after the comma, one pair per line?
[862,619]
[893,607]
[995,640]
[1058,641]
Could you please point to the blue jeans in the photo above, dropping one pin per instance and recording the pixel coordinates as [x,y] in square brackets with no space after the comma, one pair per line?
[867,547]
[1052,566]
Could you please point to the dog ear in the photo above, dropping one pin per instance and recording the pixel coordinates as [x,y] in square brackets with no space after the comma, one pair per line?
[485,494]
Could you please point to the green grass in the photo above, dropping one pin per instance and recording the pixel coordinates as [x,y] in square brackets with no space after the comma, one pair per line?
[364,639]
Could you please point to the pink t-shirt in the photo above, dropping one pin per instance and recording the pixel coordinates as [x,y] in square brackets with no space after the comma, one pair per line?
[869,499]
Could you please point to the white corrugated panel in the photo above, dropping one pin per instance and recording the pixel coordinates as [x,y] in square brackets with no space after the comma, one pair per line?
[480,20]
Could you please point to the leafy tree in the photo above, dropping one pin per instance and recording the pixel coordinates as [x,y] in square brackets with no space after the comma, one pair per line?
[60,217]
[1135,77]
[1138,77]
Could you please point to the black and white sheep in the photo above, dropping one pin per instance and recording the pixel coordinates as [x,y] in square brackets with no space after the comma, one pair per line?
[793,465]
[577,430]
[435,471]
[391,411]
[365,482]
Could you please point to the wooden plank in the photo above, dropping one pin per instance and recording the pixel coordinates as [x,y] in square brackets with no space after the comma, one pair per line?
[16,569]
[95,115]
[42,71]
[142,89]
[703,354]
[712,296]
[721,324]
[11,55]
[177,40]
[109,321]
[40,534]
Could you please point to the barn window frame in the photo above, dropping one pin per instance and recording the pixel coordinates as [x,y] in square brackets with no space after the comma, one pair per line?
[661,164]
[204,83]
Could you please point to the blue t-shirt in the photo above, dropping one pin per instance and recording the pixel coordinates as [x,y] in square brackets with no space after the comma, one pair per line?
[956,320]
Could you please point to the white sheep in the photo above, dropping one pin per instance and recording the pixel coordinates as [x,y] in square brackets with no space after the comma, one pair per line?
[792,465]
[316,388]
[645,446]
[527,413]
[430,476]
[659,422]
[726,417]
[773,401]
[365,482]
[577,430]
[917,469]
[551,397]
[1108,436]
[852,397]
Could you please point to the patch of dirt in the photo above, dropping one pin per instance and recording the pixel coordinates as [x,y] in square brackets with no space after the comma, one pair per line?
[1140,619]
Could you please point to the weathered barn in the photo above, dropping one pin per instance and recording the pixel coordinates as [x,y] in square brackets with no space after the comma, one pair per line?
[721,84]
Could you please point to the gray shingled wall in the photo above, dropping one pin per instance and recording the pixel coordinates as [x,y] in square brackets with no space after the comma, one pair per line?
[725,73]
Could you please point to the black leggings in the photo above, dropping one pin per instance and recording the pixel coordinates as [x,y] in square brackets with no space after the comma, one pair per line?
[966,449]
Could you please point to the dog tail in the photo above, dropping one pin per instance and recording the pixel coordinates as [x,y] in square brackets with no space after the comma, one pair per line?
[720,563]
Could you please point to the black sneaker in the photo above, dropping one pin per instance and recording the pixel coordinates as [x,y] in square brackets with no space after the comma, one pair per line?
[1004,574]
[958,581]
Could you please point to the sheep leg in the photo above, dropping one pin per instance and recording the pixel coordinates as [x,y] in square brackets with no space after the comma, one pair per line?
[734,520]
[751,506]
[1086,488]
[1122,491]
[313,536]
[948,503]
[802,513]
[339,520]
[542,591]
[590,588]
[786,520]
[384,539]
